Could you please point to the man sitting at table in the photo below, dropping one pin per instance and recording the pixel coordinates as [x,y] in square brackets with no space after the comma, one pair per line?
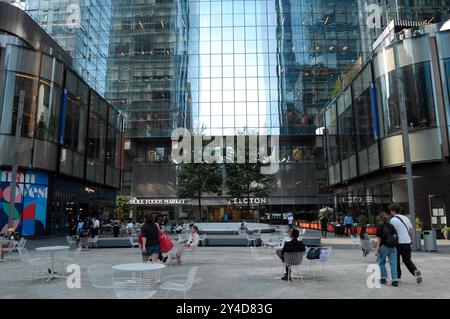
[294,245]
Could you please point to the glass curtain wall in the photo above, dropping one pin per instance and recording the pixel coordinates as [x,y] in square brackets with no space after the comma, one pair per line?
[85,37]
[73,150]
[365,122]
[347,140]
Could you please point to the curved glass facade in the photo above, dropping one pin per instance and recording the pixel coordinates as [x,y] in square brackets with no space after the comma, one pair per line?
[404,73]
[60,111]
[85,37]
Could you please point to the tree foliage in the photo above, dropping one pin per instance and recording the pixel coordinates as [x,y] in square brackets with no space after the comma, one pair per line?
[123,206]
[196,180]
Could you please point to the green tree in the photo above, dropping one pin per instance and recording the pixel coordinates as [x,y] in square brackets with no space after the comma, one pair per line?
[196,180]
[245,180]
[123,206]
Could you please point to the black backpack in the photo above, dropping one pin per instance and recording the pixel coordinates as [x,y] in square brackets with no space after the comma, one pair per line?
[313,253]
[390,236]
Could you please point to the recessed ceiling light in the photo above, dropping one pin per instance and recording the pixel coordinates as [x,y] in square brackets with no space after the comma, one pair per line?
[345,48]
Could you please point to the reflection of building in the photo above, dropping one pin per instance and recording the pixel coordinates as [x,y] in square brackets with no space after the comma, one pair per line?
[84,37]
[228,66]
[71,138]
[364,141]
[403,13]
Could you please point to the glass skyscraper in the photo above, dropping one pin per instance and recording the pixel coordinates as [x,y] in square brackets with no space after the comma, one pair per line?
[85,38]
[228,66]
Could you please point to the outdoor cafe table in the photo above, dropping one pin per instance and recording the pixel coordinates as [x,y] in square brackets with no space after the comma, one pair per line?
[138,267]
[51,250]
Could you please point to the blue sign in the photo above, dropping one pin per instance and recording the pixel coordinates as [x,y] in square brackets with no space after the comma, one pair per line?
[62,118]
[376,123]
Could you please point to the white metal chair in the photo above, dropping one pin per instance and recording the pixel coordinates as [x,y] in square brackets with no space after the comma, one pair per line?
[37,266]
[133,243]
[181,285]
[190,251]
[93,241]
[258,260]
[293,261]
[323,259]
[202,240]
[8,252]
[101,276]
[132,289]
[71,241]
[250,240]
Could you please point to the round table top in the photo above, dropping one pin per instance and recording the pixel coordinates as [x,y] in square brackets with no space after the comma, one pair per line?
[139,266]
[51,248]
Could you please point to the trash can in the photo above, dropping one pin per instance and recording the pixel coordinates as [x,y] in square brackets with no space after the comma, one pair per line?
[418,240]
[429,240]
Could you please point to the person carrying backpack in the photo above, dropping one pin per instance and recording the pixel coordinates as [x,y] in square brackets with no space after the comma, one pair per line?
[404,229]
[387,240]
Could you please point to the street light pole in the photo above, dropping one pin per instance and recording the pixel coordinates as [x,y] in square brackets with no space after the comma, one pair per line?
[407,158]
[12,193]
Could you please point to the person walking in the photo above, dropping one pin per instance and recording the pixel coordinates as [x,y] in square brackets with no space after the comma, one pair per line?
[150,240]
[290,220]
[404,228]
[116,226]
[80,227]
[96,229]
[294,245]
[324,225]
[386,244]
[348,224]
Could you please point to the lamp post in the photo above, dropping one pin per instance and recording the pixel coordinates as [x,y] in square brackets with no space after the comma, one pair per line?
[12,193]
[407,158]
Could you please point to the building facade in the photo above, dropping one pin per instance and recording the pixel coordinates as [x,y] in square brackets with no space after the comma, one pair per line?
[228,67]
[70,143]
[81,27]
[409,71]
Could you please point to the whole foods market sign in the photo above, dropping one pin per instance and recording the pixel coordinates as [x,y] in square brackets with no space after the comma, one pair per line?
[158,201]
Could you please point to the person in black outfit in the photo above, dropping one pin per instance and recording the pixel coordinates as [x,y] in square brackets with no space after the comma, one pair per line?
[116,226]
[290,247]
[150,240]
[324,226]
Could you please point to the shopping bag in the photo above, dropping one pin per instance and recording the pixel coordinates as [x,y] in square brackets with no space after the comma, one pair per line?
[165,243]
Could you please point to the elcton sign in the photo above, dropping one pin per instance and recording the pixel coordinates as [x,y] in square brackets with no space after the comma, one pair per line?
[245,201]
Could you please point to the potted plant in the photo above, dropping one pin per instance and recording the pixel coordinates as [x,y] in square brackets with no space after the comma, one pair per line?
[446,232]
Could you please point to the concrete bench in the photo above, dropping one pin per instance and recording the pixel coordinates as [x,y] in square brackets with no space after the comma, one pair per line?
[114,242]
[228,240]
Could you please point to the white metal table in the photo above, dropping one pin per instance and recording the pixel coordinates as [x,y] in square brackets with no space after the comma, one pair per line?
[139,267]
[51,250]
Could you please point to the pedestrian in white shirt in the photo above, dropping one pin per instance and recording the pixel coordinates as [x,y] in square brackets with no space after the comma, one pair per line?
[404,229]
[290,220]
[96,227]
[130,227]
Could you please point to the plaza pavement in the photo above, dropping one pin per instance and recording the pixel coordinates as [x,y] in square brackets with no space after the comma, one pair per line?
[231,273]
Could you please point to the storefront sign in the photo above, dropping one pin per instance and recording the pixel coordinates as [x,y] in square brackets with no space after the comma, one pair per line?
[245,201]
[357,199]
[157,201]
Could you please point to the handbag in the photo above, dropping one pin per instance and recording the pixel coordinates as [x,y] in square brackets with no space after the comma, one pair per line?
[165,243]
[313,253]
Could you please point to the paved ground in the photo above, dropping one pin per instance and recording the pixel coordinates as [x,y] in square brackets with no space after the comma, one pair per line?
[231,273]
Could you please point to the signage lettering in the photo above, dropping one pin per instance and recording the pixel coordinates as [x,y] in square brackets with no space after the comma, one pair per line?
[246,201]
